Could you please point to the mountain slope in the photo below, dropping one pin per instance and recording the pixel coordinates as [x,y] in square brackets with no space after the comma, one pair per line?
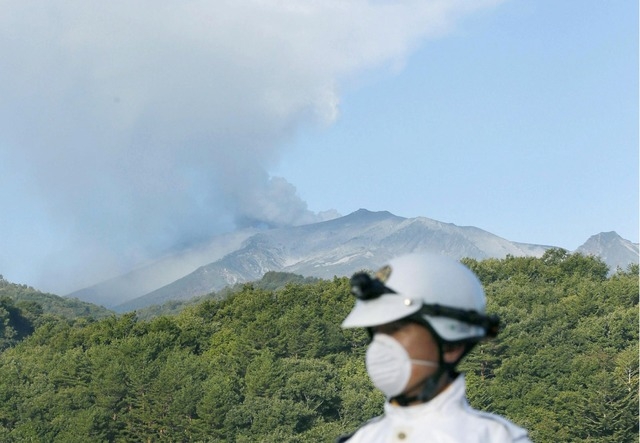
[69,308]
[338,247]
[161,272]
[614,250]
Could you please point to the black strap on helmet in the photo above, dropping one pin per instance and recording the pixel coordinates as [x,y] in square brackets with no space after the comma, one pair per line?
[365,288]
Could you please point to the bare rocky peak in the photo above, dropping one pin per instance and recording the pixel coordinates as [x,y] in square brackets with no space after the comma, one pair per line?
[614,250]
[338,247]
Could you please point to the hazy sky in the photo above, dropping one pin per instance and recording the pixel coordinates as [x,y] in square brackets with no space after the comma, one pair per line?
[128,129]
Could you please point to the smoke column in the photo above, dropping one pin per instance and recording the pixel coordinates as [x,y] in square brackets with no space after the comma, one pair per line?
[131,128]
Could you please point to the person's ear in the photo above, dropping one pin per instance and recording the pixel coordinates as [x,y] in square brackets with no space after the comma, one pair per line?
[452,353]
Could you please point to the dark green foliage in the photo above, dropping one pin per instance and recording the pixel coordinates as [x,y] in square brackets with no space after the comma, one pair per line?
[562,365]
[271,281]
[39,303]
[23,308]
[267,364]
[15,323]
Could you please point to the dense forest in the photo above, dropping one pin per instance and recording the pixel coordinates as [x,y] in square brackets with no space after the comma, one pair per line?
[23,308]
[271,364]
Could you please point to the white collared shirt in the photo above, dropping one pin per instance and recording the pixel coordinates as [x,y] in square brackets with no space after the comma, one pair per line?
[447,418]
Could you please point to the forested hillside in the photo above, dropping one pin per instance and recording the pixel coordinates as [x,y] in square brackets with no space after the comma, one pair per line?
[23,308]
[272,280]
[273,365]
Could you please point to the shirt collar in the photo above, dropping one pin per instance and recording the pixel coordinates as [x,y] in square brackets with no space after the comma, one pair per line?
[453,396]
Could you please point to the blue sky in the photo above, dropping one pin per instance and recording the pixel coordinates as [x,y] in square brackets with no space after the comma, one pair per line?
[131,129]
[523,121]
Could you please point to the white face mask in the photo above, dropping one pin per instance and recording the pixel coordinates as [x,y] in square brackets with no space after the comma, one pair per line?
[389,365]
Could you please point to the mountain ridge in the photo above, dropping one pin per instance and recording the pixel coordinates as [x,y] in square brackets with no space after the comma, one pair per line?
[611,248]
[361,240]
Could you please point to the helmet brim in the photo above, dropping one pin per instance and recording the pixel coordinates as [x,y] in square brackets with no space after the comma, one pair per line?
[383,310]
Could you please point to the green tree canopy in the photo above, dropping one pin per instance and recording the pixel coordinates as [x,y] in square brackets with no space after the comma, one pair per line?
[274,365]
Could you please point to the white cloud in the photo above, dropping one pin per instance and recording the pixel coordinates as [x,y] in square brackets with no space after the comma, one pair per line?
[151,123]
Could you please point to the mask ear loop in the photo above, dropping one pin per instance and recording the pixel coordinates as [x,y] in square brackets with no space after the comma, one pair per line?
[430,383]
[491,325]
[428,392]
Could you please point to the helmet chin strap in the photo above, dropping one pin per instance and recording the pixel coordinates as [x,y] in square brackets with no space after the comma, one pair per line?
[431,383]
[429,390]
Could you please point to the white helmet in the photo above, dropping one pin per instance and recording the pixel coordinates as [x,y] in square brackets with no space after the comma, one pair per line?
[440,290]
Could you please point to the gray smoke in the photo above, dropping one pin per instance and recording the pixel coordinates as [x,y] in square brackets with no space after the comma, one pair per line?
[131,128]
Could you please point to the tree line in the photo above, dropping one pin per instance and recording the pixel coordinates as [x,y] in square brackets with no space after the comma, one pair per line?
[269,362]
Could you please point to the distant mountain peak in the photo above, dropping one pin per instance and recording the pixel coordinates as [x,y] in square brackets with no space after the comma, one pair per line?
[363,211]
[371,215]
[604,237]
[614,250]
[363,239]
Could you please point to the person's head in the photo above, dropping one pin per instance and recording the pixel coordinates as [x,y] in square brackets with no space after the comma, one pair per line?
[424,313]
